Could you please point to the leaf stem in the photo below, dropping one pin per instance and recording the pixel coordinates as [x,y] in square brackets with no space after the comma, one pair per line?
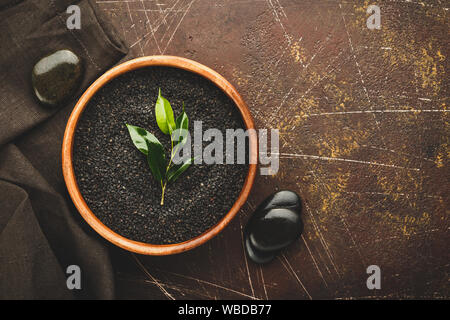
[163,188]
[172,154]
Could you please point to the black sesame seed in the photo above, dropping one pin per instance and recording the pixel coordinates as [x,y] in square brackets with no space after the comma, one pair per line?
[113,175]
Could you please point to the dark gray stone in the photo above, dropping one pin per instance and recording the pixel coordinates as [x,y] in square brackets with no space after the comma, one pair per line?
[274,229]
[256,255]
[282,199]
[274,225]
[56,77]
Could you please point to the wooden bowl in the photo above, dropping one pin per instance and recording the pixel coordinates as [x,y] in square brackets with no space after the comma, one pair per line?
[69,175]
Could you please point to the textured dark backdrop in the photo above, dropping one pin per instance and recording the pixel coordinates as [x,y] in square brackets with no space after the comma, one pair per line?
[363,119]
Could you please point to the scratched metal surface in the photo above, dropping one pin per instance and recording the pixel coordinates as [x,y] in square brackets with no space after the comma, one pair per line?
[363,117]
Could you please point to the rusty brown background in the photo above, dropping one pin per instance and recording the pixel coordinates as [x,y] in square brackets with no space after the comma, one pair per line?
[364,137]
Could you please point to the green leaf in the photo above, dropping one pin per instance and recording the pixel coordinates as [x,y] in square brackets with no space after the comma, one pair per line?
[175,172]
[182,122]
[140,136]
[164,115]
[156,159]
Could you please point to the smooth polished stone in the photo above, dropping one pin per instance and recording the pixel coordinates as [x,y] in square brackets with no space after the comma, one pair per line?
[56,77]
[274,229]
[274,225]
[257,256]
[282,199]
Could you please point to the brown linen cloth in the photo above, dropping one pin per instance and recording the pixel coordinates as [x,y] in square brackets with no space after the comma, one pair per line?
[41,233]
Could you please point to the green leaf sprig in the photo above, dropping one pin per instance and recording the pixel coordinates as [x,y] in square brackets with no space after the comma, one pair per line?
[163,171]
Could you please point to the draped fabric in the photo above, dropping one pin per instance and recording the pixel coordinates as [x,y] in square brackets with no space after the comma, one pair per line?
[41,234]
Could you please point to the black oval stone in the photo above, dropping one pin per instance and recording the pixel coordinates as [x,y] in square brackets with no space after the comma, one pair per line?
[56,77]
[282,199]
[275,224]
[275,229]
[256,255]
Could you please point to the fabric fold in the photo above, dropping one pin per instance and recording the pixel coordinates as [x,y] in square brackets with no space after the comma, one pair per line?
[41,233]
[99,48]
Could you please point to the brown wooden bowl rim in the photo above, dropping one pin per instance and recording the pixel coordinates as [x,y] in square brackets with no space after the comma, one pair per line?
[67,146]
